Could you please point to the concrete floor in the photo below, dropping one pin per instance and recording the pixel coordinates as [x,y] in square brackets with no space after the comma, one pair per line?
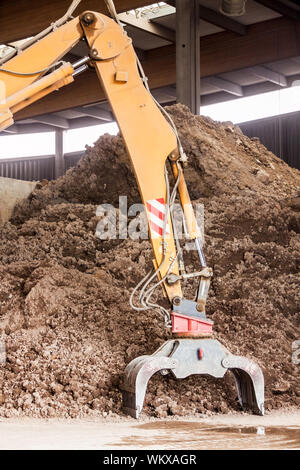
[240,431]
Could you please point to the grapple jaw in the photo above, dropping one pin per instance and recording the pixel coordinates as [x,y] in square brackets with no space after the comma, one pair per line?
[249,381]
[137,375]
[185,357]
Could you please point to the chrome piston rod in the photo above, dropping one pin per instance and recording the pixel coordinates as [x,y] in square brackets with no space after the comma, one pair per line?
[80,66]
[200,253]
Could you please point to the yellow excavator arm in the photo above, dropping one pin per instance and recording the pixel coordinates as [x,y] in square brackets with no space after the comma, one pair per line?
[151,139]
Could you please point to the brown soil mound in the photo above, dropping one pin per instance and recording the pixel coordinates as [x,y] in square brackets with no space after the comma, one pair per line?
[64,310]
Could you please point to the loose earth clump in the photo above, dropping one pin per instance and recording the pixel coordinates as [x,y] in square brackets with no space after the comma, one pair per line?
[64,294]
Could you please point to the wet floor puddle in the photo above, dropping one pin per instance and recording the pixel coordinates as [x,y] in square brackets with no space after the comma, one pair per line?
[192,436]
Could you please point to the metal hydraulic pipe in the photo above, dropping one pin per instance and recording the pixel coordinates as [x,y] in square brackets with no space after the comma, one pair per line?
[200,253]
[79,70]
[81,61]
[189,214]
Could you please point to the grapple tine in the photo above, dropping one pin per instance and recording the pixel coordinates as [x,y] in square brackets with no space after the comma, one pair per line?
[136,378]
[249,382]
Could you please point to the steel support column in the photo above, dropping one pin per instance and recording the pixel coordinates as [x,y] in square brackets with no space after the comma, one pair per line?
[59,153]
[188,54]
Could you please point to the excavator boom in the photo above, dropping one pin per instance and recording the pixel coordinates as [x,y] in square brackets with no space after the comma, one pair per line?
[151,140]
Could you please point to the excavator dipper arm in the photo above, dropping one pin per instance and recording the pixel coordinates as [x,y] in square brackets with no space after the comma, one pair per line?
[150,140]
[147,134]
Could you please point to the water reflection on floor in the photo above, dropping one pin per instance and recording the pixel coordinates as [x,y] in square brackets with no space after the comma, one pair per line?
[192,436]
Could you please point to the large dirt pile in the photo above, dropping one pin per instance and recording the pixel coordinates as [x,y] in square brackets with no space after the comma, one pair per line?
[64,311]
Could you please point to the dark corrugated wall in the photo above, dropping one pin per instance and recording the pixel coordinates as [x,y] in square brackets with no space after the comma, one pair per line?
[35,168]
[280,134]
[28,169]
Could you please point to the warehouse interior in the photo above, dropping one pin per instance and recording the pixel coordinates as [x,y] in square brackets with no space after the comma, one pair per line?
[236,57]
[99,347]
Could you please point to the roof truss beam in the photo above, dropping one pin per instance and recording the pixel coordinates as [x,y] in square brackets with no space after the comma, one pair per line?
[225,85]
[20,22]
[31,128]
[53,120]
[12,129]
[280,7]
[222,21]
[165,94]
[95,112]
[84,121]
[269,75]
[148,26]
[213,17]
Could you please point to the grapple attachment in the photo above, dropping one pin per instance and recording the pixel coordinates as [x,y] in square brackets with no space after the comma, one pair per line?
[185,357]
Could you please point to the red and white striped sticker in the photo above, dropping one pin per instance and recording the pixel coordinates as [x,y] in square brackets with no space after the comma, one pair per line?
[157,213]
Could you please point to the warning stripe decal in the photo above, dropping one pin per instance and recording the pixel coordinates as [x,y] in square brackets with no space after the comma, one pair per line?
[156,213]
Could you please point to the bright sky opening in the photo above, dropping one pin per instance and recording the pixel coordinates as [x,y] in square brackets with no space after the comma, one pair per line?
[240,110]
[27,145]
[77,139]
[33,145]
[255,107]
